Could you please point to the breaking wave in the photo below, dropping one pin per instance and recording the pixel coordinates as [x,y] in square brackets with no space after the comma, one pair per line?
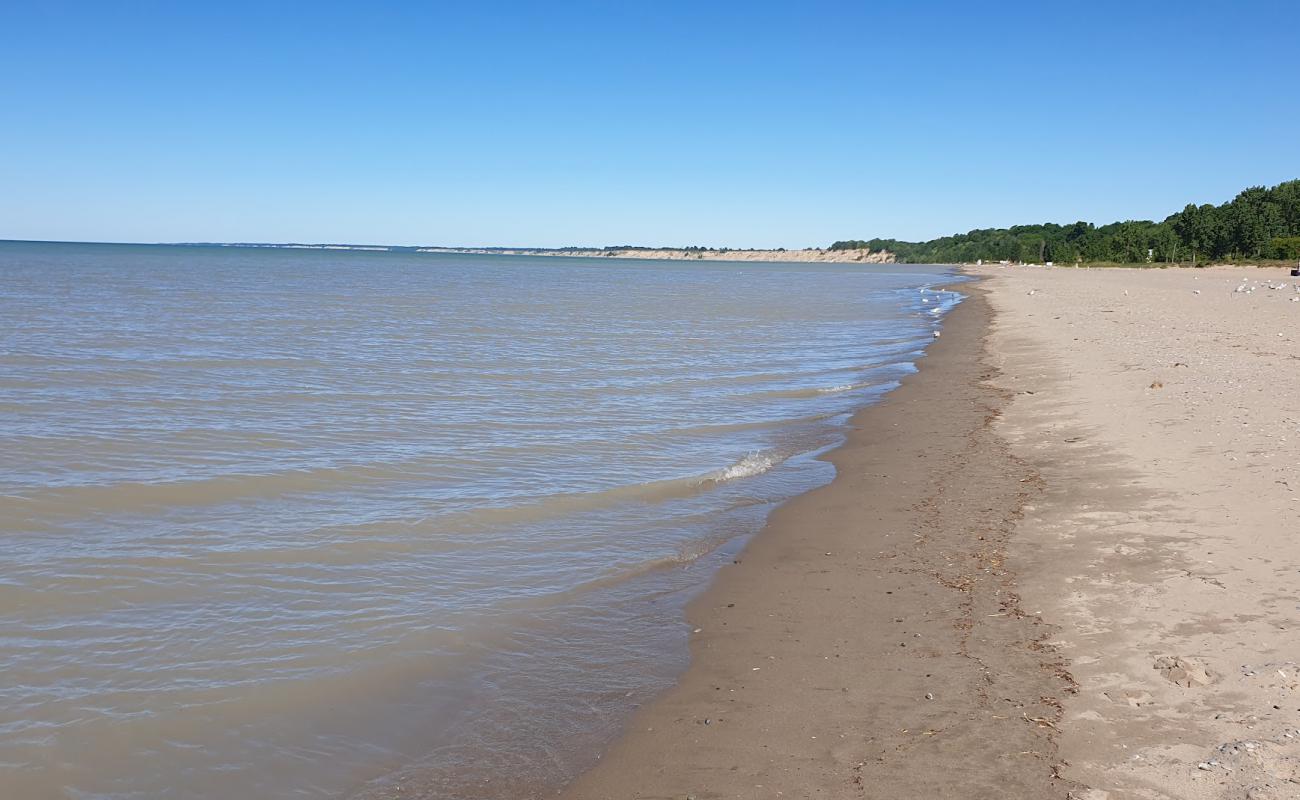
[747,467]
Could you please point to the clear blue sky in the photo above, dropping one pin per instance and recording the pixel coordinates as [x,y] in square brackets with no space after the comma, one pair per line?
[725,124]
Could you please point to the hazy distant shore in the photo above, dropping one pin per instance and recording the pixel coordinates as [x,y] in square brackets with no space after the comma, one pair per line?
[859,255]
[833,254]
[862,255]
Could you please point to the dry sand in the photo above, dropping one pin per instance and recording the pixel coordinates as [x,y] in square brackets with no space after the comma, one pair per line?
[1162,410]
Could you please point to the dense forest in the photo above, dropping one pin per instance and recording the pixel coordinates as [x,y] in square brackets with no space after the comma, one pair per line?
[1259,223]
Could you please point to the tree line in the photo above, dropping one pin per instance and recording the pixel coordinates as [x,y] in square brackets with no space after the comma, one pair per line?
[1259,223]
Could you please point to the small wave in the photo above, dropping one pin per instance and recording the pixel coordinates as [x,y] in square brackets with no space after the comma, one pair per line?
[945,299]
[747,467]
[817,391]
[563,504]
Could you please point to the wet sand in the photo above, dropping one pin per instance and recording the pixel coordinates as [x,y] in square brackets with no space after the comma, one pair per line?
[870,641]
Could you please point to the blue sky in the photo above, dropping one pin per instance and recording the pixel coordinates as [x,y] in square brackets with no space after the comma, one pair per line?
[725,124]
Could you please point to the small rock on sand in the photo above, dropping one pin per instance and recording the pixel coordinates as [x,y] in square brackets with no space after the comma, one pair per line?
[1182,672]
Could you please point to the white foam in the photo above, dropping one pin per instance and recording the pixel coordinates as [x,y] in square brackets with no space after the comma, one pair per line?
[747,467]
[844,387]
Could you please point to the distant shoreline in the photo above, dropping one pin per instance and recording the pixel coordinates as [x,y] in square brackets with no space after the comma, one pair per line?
[810,254]
[859,255]
[863,255]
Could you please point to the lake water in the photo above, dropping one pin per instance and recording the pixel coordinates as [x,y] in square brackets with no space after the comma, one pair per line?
[298,524]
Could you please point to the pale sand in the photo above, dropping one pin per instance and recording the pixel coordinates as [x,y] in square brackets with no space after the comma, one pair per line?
[1162,410]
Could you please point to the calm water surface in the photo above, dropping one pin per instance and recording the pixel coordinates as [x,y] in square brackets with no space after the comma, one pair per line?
[297,524]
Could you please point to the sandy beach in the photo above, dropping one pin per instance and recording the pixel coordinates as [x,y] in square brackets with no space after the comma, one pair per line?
[657,401]
[1059,561]
[1162,410]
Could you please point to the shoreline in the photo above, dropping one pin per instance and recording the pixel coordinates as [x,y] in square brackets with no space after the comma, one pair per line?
[869,640]
[806,255]
[1114,446]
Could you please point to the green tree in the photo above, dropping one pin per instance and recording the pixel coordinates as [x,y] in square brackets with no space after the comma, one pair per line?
[1246,227]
